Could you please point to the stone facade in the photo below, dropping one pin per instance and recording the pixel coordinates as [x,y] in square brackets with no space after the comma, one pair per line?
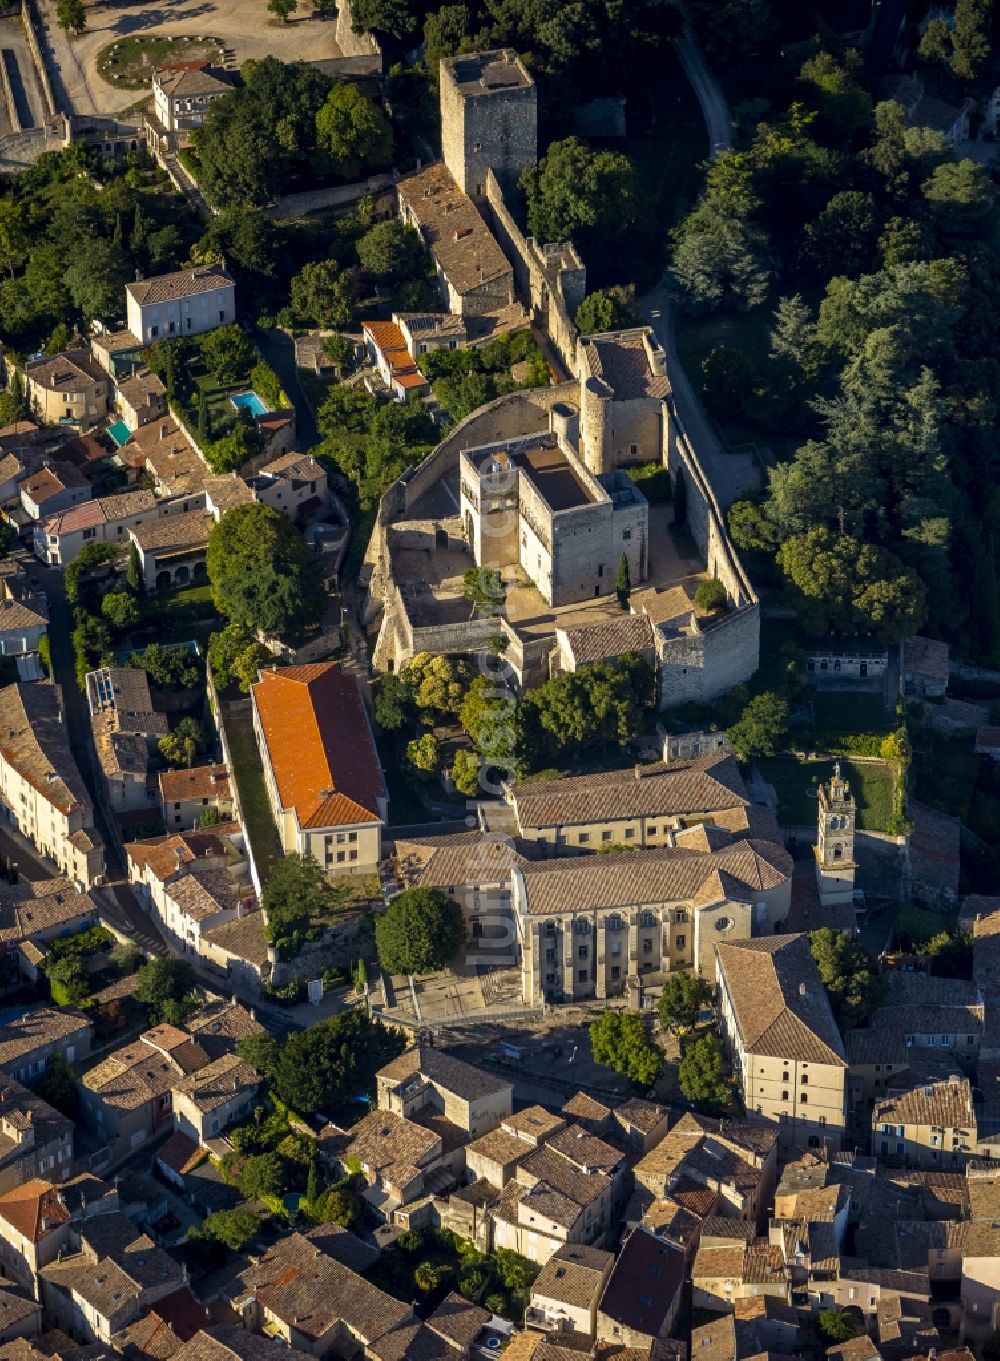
[532,503]
[834,849]
[489,119]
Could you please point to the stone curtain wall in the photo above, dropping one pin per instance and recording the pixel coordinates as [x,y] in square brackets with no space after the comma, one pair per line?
[535,281]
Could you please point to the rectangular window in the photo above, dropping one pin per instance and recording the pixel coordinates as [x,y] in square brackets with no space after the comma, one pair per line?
[629,833]
[583,838]
[680,941]
[582,975]
[616,973]
[582,951]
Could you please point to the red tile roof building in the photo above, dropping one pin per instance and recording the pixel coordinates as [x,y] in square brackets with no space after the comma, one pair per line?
[321,767]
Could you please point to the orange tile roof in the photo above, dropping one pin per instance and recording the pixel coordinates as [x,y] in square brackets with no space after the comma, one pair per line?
[320,745]
[389,339]
[33,1209]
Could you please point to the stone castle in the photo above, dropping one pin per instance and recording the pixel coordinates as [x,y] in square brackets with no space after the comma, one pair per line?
[535,485]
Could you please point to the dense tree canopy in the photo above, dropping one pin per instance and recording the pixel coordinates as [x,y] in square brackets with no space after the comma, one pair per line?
[703,1073]
[421,930]
[848,974]
[333,1061]
[621,1040]
[260,572]
[683,997]
[576,192]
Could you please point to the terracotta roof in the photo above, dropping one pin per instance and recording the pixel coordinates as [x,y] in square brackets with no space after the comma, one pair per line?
[140,388]
[34,742]
[644,1284]
[51,481]
[16,615]
[304,1287]
[781,1007]
[219,1082]
[167,856]
[458,1321]
[926,657]
[244,938]
[320,745]
[573,1275]
[702,785]
[389,341]
[198,782]
[84,516]
[453,229]
[183,283]
[159,1334]
[34,1209]
[180,1152]
[738,872]
[461,858]
[226,1342]
[35,1029]
[621,360]
[943,1103]
[189,529]
[69,371]
[188,78]
[609,638]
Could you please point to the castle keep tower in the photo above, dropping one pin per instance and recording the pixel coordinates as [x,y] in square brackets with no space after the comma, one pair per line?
[489,120]
[835,864]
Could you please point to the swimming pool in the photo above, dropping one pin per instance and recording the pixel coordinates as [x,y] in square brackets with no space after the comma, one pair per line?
[249,401]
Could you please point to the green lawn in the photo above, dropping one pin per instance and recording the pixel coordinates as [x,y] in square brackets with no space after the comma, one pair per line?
[254,803]
[793,780]
[128,62]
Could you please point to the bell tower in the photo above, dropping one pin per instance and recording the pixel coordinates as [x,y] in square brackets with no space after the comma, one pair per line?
[835,863]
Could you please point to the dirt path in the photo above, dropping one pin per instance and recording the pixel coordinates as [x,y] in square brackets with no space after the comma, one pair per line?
[244,27]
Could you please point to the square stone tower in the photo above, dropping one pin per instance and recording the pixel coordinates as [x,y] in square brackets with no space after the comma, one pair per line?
[835,863]
[489,120]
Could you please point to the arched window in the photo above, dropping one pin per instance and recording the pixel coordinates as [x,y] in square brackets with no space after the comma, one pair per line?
[550,927]
[582,926]
[648,919]
[615,922]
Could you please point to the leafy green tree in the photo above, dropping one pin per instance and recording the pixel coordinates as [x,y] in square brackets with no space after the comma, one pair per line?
[261,1052]
[394,17]
[393,252]
[720,250]
[58,1087]
[608,309]
[341,1206]
[848,974]
[261,1176]
[297,892]
[761,727]
[423,754]
[427,1276]
[971,38]
[95,278]
[420,931]
[851,586]
[68,982]
[703,1074]
[711,595]
[601,702]
[437,684]
[92,646]
[72,16]
[334,1060]
[120,609]
[962,199]
[161,982]
[837,1325]
[575,191]
[283,9]
[260,572]
[793,337]
[236,657]
[466,766]
[228,353]
[683,998]
[620,1040]
[841,240]
[321,294]
[936,44]
[727,381]
[353,131]
[170,668]
[393,703]
[85,567]
[484,587]
[843,105]
[234,1229]
[182,745]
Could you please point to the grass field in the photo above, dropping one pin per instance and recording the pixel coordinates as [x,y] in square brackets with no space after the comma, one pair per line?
[795,782]
[253,795]
[128,62]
